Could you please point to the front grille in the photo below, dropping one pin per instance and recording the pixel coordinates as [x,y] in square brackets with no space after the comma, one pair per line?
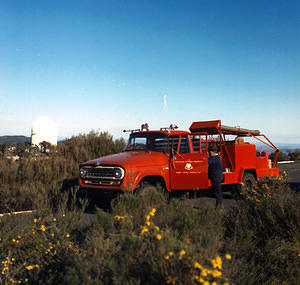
[103,172]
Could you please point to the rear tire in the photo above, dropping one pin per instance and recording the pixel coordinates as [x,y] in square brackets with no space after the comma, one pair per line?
[249,181]
[238,192]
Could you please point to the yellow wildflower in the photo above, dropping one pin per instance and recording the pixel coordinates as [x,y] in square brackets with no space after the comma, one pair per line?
[166,257]
[183,252]
[217,263]
[54,220]
[43,228]
[52,234]
[29,267]
[148,223]
[35,220]
[152,212]
[144,230]
[197,265]
[204,272]
[156,228]
[67,235]
[119,217]
[228,256]
[159,236]
[216,273]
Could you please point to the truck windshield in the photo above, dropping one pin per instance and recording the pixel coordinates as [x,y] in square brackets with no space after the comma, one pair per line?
[148,141]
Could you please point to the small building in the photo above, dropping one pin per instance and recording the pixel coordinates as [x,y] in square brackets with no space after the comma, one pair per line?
[43,129]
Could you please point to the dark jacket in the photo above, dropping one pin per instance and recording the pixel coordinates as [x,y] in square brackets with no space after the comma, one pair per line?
[215,169]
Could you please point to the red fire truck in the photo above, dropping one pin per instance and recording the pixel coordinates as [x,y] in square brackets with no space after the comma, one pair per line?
[178,160]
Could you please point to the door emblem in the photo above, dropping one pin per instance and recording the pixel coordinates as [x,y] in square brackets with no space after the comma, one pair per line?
[188,166]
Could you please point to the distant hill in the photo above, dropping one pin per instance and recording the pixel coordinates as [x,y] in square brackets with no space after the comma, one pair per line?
[15,139]
[281,146]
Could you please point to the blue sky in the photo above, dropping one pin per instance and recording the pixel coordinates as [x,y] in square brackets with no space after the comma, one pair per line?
[111,65]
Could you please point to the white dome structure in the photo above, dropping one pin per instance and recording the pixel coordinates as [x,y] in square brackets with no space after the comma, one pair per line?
[43,129]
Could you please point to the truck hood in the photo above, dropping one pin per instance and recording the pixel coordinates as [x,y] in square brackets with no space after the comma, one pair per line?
[131,158]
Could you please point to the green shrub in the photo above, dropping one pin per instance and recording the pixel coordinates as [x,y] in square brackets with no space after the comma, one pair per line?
[263,235]
[38,176]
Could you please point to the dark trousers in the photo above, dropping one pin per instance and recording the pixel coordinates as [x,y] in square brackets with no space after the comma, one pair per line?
[217,189]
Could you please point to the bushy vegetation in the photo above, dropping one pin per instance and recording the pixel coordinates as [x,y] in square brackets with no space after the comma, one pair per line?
[38,175]
[291,155]
[150,239]
[294,155]
[146,239]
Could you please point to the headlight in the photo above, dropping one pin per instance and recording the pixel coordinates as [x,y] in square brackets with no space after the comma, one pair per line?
[118,173]
[83,172]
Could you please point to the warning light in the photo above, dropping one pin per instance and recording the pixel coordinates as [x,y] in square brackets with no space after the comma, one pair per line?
[145,127]
[173,127]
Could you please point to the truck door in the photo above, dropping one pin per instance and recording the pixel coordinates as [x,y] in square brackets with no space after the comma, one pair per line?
[188,164]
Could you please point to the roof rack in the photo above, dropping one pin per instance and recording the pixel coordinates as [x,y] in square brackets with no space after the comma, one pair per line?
[214,127]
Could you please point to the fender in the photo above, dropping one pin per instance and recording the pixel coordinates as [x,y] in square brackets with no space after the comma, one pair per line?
[137,174]
[243,170]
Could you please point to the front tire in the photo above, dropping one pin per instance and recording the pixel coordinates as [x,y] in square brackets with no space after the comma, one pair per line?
[146,189]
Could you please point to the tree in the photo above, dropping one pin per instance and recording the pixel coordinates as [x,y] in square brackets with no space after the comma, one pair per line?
[20,149]
[281,156]
[45,146]
[295,155]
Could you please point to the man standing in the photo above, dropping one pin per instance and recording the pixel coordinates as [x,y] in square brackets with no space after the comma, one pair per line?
[215,173]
